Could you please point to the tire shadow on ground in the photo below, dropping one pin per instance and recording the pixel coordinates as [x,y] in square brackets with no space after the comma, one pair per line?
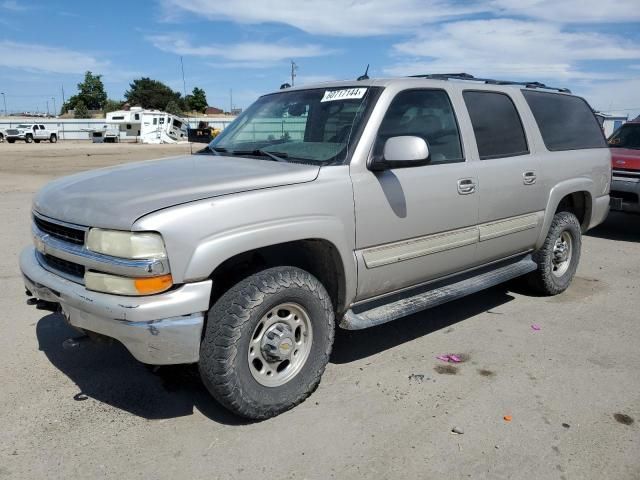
[107,372]
[352,345]
[624,227]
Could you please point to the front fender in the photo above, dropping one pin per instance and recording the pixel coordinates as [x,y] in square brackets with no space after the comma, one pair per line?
[201,235]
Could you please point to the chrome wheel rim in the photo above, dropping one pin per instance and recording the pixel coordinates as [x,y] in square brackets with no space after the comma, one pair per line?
[562,252]
[280,344]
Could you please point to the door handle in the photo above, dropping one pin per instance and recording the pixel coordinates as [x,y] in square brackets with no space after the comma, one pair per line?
[466,186]
[529,178]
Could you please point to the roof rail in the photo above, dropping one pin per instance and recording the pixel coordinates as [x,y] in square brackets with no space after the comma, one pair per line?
[490,81]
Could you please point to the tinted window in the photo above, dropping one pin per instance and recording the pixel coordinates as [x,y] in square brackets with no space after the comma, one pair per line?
[426,114]
[496,124]
[565,122]
[626,137]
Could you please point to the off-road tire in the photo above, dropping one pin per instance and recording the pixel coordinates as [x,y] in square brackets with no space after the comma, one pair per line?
[53,138]
[28,138]
[542,280]
[224,365]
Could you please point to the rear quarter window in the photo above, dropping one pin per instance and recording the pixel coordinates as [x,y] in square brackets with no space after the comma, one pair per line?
[565,122]
[496,124]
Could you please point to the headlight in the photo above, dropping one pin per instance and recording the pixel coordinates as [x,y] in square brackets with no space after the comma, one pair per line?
[133,245]
[103,282]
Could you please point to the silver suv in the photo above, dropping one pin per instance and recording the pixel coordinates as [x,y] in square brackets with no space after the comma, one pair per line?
[350,203]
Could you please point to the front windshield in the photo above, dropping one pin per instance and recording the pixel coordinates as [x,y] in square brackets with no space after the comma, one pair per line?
[627,136]
[22,125]
[314,125]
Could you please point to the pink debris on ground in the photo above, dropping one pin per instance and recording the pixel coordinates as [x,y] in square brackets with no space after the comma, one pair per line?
[449,358]
[535,326]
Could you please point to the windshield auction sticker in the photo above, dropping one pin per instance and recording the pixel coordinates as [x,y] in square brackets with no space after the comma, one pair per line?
[344,94]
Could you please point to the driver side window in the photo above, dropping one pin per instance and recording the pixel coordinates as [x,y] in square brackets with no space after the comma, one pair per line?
[427,114]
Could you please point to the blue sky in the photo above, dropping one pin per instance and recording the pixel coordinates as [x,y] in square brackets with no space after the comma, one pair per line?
[591,46]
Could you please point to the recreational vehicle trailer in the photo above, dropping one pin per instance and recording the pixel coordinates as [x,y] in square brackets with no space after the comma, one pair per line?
[150,126]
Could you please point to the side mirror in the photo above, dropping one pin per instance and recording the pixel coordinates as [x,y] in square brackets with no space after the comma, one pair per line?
[402,152]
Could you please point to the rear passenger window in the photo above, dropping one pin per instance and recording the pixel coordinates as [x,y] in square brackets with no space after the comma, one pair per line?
[496,124]
[565,122]
[426,114]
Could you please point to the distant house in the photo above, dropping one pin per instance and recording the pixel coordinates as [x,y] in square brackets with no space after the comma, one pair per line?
[213,111]
[610,123]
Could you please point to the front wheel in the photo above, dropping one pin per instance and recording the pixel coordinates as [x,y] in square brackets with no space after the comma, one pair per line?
[28,139]
[267,342]
[558,257]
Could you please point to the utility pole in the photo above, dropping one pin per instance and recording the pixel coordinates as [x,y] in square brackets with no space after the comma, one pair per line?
[294,67]
[47,107]
[230,101]
[55,114]
[5,103]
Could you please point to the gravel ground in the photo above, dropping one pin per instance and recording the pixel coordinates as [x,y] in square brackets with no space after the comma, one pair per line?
[385,407]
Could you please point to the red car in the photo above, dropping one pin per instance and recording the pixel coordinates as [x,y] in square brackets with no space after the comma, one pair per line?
[625,163]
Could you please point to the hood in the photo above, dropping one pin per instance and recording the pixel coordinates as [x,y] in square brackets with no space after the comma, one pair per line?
[116,197]
[626,158]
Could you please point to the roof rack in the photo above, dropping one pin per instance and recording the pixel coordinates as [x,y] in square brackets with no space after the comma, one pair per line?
[490,81]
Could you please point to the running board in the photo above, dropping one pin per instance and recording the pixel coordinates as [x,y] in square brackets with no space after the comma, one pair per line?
[364,317]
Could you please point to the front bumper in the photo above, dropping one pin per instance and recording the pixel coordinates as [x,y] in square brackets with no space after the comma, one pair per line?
[625,194]
[161,329]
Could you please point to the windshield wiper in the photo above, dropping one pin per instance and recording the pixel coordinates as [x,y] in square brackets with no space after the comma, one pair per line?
[276,156]
[209,150]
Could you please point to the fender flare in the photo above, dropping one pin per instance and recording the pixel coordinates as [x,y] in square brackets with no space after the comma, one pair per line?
[212,251]
[557,193]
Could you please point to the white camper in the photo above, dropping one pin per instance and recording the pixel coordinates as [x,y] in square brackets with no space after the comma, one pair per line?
[150,126]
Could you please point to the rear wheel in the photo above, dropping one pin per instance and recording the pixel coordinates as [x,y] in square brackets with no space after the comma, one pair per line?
[53,138]
[1,138]
[559,256]
[267,342]
[28,138]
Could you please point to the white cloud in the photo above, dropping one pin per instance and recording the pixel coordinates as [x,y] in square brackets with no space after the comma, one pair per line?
[619,97]
[13,6]
[570,11]
[253,53]
[521,49]
[329,17]
[384,17]
[33,57]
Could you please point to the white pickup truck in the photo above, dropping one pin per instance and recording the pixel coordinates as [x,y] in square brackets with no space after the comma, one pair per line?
[31,132]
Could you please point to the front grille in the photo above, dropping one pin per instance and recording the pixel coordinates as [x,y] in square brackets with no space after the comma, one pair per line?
[627,197]
[12,132]
[62,232]
[64,266]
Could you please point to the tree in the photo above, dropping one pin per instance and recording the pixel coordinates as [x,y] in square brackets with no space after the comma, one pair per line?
[90,92]
[111,106]
[173,108]
[197,101]
[150,93]
[80,110]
